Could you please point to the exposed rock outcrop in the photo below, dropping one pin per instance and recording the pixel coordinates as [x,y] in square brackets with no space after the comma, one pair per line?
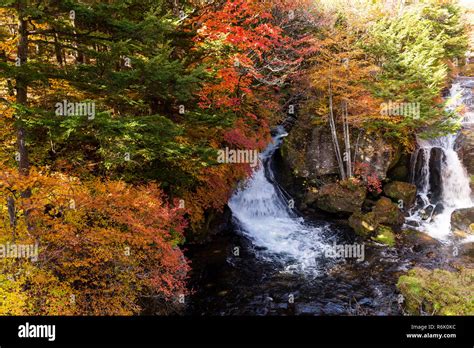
[387,212]
[363,224]
[401,191]
[465,147]
[380,154]
[435,157]
[462,221]
[309,152]
[338,198]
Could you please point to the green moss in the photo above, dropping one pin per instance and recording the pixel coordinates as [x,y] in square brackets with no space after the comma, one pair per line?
[387,212]
[385,236]
[401,191]
[352,184]
[438,292]
[283,150]
[363,224]
[336,198]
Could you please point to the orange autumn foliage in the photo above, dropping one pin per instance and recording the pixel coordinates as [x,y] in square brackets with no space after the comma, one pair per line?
[250,56]
[108,246]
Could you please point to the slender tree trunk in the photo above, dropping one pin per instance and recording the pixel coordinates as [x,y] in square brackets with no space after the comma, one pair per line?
[332,124]
[347,140]
[58,50]
[12,215]
[78,55]
[22,99]
[22,86]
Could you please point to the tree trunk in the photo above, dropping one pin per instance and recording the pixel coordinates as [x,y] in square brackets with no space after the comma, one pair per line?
[22,86]
[12,215]
[347,140]
[332,124]
[22,99]
[58,50]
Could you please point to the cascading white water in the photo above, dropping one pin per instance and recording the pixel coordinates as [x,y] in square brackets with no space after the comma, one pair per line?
[455,189]
[263,214]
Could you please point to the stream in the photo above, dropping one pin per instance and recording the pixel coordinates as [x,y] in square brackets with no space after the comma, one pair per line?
[272,261]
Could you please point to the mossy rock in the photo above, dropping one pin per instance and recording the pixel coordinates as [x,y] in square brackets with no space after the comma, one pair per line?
[363,224]
[463,220]
[438,292]
[418,240]
[401,170]
[384,235]
[337,198]
[387,213]
[401,191]
[399,173]
[467,251]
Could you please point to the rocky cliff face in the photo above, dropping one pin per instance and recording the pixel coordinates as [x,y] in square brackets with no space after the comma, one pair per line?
[465,146]
[378,153]
[310,154]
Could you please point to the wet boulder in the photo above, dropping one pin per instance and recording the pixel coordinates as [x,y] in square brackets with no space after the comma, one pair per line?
[462,221]
[466,251]
[340,198]
[386,212]
[363,224]
[427,212]
[419,241]
[401,191]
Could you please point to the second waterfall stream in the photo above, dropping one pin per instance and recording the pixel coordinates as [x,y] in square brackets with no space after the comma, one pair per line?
[440,177]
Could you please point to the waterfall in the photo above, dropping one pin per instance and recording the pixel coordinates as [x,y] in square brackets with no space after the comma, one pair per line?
[440,177]
[264,215]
